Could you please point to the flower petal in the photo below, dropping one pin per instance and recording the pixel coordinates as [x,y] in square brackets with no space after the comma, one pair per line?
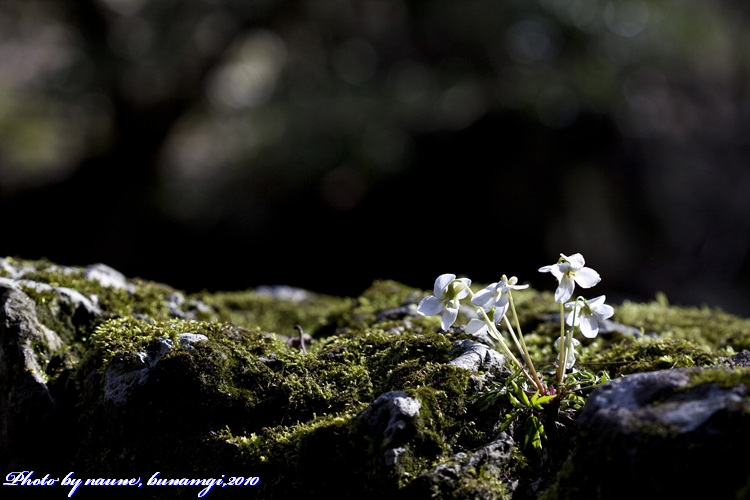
[476,326]
[564,290]
[430,306]
[559,270]
[442,283]
[463,293]
[573,319]
[586,277]
[501,307]
[596,301]
[485,298]
[518,287]
[449,317]
[589,327]
[576,260]
[604,311]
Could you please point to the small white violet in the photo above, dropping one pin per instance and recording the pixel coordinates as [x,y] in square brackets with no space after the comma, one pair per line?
[588,315]
[496,295]
[569,271]
[477,326]
[448,292]
[571,352]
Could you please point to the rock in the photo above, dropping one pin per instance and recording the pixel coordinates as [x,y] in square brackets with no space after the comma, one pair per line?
[186,340]
[108,277]
[671,433]
[462,472]
[111,376]
[740,360]
[390,416]
[25,344]
[284,292]
[180,307]
[391,412]
[476,357]
[126,372]
[401,312]
[85,308]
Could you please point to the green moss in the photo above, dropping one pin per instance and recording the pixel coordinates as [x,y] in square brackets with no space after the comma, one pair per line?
[148,299]
[723,377]
[381,296]
[632,356]
[292,416]
[315,314]
[710,328]
[250,402]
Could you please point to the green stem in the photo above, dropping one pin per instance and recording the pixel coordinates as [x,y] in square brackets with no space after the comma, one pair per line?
[524,349]
[567,341]
[560,363]
[496,335]
[513,334]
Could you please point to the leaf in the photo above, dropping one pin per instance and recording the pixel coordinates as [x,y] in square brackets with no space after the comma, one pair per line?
[537,400]
[534,433]
[514,401]
[521,394]
[509,417]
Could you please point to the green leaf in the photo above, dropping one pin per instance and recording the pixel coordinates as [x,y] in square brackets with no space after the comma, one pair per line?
[521,394]
[534,433]
[514,401]
[509,417]
[538,400]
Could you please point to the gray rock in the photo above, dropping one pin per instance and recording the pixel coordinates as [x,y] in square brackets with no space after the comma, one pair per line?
[179,307]
[666,435]
[186,340]
[401,312]
[126,372]
[25,345]
[463,470]
[108,277]
[475,356]
[15,272]
[284,292]
[740,360]
[391,416]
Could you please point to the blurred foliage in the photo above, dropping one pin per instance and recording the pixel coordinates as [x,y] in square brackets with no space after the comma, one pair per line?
[230,110]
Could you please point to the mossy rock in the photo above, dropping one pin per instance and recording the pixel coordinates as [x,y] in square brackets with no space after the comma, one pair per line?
[152,379]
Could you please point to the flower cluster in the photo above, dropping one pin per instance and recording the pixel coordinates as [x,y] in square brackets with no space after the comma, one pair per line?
[495,301]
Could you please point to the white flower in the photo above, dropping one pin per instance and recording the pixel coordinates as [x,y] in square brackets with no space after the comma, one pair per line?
[496,295]
[588,315]
[478,326]
[569,271]
[448,292]
[571,352]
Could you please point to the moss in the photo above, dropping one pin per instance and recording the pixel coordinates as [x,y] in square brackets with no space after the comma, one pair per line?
[257,406]
[316,314]
[633,356]
[711,328]
[722,377]
[285,401]
[148,298]
[381,296]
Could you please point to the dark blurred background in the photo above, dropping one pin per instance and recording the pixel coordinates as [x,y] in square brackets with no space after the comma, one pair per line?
[225,144]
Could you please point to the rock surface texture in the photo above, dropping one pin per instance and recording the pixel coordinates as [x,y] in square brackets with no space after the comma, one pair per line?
[117,377]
